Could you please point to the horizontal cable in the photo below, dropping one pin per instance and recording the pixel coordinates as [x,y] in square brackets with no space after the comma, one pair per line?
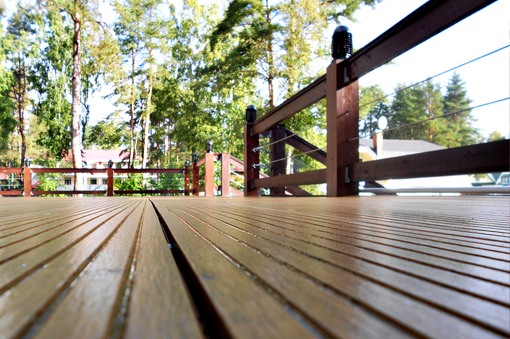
[417,83]
[315,150]
[436,117]
[256,149]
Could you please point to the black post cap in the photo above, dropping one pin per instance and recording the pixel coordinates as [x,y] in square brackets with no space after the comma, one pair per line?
[251,114]
[341,43]
[209,147]
[195,157]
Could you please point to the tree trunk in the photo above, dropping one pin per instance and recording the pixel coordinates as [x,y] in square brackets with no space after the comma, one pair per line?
[76,105]
[270,77]
[20,97]
[131,112]
[147,115]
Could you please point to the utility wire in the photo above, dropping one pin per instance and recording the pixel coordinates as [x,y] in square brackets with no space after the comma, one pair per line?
[432,77]
[436,117]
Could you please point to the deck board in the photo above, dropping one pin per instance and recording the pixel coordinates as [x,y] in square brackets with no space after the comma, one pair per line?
[358,267]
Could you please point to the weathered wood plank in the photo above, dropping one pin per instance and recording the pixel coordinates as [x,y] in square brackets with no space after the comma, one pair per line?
[245,308]
[58,264]
[158,283]
[485,312]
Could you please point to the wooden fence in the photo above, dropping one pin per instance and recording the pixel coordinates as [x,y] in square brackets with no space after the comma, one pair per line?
[340,88]
[25,175]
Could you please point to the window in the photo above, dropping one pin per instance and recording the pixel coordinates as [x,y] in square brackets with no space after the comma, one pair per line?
[67,181]
[505,179]
[93,181]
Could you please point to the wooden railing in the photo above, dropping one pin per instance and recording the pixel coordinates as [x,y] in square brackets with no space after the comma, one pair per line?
[340,88]
[208,161]
[26,174]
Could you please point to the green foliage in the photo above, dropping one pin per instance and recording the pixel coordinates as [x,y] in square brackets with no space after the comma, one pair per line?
[495,136]
[108,134]
[131,183]
[422,102]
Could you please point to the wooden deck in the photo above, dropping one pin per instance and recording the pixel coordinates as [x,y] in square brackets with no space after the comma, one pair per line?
[356,267]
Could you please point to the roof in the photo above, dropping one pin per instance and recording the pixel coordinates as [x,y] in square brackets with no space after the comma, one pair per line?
[396,147]
[91,155]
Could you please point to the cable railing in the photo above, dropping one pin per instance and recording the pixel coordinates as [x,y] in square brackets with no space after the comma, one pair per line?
[343,167]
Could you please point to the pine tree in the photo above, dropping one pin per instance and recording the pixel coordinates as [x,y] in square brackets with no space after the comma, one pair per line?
[459,130]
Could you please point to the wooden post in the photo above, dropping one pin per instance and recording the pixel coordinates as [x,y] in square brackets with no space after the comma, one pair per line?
[196,178]
[209,174]
[250,158]
[277,152]
[27,182]
[186,182]
[225,175]
[109,191]
[342,124]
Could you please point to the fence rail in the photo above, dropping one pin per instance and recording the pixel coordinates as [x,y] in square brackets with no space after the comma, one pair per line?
[340,88]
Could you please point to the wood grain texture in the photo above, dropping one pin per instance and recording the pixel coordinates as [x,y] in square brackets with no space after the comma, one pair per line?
[350,267]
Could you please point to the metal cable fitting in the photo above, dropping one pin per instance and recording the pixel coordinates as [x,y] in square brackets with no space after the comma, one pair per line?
[261,166]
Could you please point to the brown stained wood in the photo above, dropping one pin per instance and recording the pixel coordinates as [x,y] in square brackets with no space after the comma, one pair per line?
[304,146]
[24,257]
[251,173]
[67,170]
[201,162]
[52,268]
[31,228]
[109,190]
[304,178]
[11,170]
[332,112]
[244,306]
[149,170]
[27,182]
[301,100]
[11,193]
[209,174]
[277,152]
[225,174]
[296,190]
[96,192]
[373,253]
[196,178]
[330,314]
[187,182]
[147,191]
[478,310]
[479,158]
[158,283]
[91,307]
[347,121]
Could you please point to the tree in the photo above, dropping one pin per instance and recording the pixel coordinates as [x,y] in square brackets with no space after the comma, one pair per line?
[143,31]
[459,126]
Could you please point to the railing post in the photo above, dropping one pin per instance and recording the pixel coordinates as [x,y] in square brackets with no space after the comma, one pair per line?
[250,158]
[209,174]
[109,191]
[27,182]
[225,174]
[342,125]
[277,152]
[186,179]
[196,175]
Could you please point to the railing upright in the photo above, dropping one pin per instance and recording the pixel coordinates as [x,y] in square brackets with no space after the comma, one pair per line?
[251,158]
[277,152]
[27,182]
[225,174]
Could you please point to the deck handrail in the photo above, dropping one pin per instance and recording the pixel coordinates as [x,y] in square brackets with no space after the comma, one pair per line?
[340,88]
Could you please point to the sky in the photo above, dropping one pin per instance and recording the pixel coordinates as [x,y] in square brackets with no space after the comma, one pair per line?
[486,80]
